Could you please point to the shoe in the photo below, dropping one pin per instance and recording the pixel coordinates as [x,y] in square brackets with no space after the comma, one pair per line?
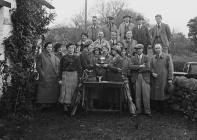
[65,108]
[133,115]
[148,114]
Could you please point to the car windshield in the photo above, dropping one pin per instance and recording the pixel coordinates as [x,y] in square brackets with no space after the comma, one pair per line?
[193,69]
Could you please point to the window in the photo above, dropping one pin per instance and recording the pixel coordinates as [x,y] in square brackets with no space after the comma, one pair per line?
[193,69]
[185,68]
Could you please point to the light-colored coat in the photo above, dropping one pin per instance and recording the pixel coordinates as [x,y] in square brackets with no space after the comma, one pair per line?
[107,30]
[162,66]
[93,31]
[122,31]
[101,43]
[48,68]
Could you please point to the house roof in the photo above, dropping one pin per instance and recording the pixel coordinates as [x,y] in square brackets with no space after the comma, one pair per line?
[43,2]
[48,5]
[5,3]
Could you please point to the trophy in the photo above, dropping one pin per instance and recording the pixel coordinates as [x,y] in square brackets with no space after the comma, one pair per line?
[102,59]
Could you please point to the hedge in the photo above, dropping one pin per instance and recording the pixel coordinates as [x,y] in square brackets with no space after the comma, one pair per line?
[184,96]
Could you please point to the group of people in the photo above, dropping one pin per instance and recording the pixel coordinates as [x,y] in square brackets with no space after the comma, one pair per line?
[116,51]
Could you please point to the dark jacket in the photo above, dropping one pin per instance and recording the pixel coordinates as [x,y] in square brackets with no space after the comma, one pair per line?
[70,63]
[114,71]
[141,35]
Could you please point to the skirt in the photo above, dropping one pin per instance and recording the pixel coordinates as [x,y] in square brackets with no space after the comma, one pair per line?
[68,87]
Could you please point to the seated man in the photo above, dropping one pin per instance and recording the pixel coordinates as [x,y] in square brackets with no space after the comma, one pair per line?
[114,39]
[101,41]
[129,43]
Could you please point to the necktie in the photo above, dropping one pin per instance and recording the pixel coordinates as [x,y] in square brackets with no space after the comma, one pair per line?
[157,57]
[139,59]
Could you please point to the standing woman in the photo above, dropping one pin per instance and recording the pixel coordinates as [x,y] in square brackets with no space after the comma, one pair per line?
[47,67]
[58,50]
[70,71]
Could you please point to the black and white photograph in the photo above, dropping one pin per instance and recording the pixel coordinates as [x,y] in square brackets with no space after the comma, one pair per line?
[98,70]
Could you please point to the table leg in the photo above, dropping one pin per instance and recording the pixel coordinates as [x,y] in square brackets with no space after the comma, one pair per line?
[121,92]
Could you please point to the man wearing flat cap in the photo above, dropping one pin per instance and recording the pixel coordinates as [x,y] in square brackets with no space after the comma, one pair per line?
[125,26]
[140,78]
[161,34]
[141,34]
[109,27]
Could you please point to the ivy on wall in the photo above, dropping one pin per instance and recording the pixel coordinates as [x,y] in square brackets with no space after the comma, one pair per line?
[30,20]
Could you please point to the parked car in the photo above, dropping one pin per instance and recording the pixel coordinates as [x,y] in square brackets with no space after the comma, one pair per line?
[189,70]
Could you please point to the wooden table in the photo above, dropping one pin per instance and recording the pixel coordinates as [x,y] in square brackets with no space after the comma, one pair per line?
[103,84]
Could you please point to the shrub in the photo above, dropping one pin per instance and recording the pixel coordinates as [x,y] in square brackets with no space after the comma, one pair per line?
[29,20]
[184,96]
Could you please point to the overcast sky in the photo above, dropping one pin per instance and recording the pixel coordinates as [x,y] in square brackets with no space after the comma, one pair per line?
[176,13]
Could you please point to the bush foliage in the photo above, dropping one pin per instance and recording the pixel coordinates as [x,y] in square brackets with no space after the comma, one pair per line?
[30,21]
[184,97]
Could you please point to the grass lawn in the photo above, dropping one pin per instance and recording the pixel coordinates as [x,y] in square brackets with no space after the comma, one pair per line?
[55,125]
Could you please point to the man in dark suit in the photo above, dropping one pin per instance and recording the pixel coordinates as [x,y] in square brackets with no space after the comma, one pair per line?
[140,76]
[141,34]
[161,34]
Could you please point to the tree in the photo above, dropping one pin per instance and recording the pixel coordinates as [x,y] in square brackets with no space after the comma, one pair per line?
[64,34]
[30,21]
[192,24]
[111,8]
[181,45]
[116,8]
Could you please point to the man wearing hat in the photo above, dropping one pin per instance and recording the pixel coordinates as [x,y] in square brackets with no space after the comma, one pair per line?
[109,27]
[93,29]
[125,26]
[141,34]
[140,77]
[161,34]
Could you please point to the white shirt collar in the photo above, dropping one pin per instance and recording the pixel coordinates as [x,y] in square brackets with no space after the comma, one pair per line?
[140,56]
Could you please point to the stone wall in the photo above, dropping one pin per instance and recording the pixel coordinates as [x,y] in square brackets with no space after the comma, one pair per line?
[184,96]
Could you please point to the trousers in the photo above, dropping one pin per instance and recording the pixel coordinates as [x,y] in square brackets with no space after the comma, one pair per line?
[142,96]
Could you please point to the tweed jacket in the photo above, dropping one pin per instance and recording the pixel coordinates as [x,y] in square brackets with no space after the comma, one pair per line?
[164,33]
[134,66]
[122,30]
[93,31]
[107,29]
